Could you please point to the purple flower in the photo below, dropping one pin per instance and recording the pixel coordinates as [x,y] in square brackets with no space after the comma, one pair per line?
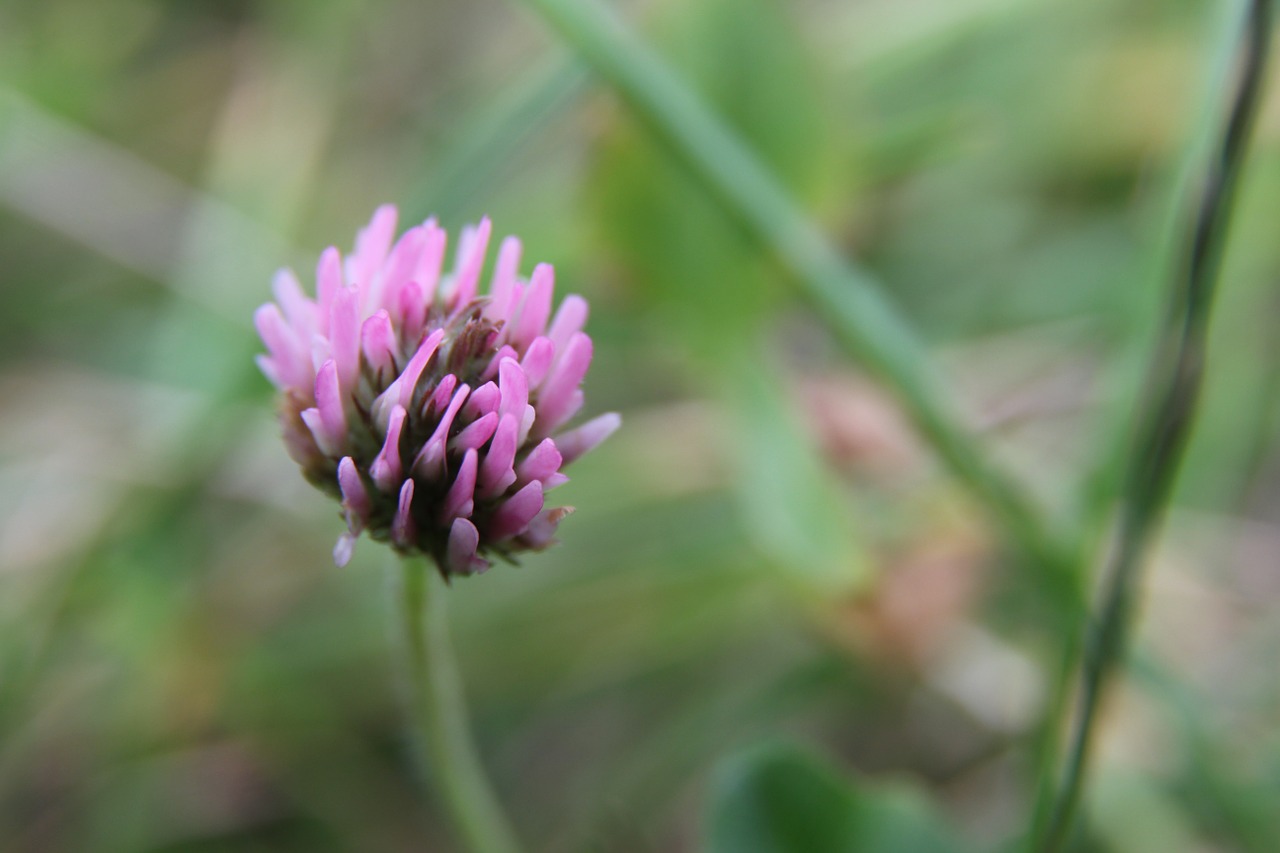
[435,415]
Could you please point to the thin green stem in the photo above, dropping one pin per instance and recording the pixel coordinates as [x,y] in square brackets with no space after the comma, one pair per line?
[847,297]
[1164,420]
[442,735]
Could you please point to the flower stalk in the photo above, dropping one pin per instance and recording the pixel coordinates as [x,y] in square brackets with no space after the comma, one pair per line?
[441,733]
[1163,423]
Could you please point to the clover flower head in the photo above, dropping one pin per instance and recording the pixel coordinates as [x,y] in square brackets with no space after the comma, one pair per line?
[435,415]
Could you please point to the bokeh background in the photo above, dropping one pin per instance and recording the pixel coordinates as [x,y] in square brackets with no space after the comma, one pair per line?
[765,552]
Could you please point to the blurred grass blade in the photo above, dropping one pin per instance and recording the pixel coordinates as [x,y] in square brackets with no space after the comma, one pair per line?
[847,297]
[1164,419]
[466,167]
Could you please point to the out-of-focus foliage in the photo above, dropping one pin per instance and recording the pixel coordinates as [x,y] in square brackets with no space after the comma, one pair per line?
[775,800]
[764,550]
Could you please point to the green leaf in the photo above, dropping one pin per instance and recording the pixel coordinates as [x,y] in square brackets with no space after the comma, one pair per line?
[778,798]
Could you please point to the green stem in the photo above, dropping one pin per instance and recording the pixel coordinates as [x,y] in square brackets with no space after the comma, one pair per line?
[1163,422]
[442,736]
[844,295]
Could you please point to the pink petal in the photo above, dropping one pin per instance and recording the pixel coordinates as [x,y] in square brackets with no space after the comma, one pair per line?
[328,283]
[355,499]
[300,311]
[543,461]
[440,397]
[342,550]
[483,400]
[514,301]
[290,358]
[387,469]
[372,244]
[300,442]
[327,445]
[476,433]
[378,341]
[344,337]
[516,512]
[514,388]
[536,308]
[526,425]
[268,368]
[320,350]
[579,440]
[504,353]
[402,527]
[427,274]
[569,320]
[560,398]
[496,473]
[279,337]
[402,264]
[460,554]
[502,288]
[413,370]
[471,254]
[537,360]
[542,530]
[429,461]
[333,418]
[412,311]
[459,503]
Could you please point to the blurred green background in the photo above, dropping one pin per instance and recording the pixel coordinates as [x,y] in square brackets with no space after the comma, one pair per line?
[764,553]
